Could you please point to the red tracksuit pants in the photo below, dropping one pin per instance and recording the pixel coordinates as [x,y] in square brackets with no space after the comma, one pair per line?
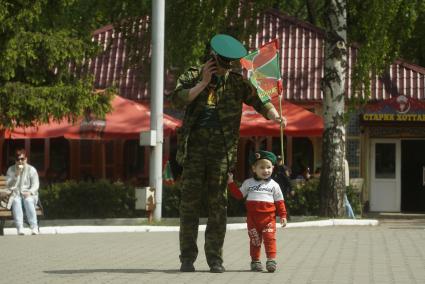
[262,227]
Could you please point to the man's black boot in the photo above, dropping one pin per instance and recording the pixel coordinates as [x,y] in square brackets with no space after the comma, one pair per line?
[217,268]
[187,266]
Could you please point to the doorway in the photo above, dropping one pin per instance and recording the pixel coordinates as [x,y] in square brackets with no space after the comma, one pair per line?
[412,175]
[385,175]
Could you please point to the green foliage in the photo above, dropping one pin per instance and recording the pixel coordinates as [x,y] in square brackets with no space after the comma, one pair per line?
[305,202]
[307,198]
[380,27]
[189,26]
[39,38]
[22,104]
[44,48]
[383,30]
[306,10]
[413,49]
[171,200]
[171,203]
[77,200]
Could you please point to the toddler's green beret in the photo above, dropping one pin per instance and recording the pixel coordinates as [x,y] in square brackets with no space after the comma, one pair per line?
[259,155]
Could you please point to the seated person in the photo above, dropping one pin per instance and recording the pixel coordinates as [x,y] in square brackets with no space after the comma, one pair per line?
[22,179]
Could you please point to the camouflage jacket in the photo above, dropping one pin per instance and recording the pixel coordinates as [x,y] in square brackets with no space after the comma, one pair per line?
[231,94]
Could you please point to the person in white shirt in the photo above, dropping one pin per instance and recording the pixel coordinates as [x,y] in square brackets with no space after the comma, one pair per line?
[263,199]
[22,179]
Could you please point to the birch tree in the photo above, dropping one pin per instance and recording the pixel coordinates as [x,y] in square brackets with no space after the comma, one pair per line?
[380,28]
[332,182]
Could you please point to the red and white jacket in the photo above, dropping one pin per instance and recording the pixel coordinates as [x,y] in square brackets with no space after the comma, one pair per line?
[261,196]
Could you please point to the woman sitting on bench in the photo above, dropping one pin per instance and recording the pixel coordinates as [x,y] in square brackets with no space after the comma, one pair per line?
[22,179]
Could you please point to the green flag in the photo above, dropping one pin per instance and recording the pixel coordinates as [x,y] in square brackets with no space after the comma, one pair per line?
[263,70]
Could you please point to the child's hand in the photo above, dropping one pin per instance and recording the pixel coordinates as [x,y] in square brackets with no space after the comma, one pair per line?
[283,222]
[229,177]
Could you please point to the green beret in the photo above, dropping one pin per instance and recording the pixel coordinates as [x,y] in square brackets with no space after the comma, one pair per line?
[259,155]
[227,47]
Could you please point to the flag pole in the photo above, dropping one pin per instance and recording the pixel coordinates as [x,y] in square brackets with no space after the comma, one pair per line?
[280,84]
[281,127]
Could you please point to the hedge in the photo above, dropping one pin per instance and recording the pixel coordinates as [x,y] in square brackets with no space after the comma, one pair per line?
[103,199]
[98,199]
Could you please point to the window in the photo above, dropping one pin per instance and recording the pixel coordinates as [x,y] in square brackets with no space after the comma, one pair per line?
[353,156]
[385,160]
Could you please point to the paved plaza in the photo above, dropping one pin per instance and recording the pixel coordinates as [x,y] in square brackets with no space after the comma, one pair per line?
[392,252]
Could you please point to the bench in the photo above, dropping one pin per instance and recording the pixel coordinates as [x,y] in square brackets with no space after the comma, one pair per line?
[6,214]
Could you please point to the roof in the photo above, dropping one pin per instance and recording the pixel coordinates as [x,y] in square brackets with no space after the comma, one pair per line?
[109,67]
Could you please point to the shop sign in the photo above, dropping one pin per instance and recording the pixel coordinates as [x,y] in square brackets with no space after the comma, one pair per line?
[397,109]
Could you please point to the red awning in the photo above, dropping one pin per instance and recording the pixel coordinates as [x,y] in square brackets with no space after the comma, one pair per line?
[301,122]
[129,118]
[53,129]
[126,121]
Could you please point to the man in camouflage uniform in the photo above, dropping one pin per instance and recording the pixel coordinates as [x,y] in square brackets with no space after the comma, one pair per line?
[212,98]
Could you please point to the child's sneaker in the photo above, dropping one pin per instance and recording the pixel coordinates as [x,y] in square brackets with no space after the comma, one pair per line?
[256,265]
[271,265]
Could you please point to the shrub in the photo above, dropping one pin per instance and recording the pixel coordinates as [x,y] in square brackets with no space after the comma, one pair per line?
[98,199]
[171,200]
[306,200]
[171,203]
[103,199]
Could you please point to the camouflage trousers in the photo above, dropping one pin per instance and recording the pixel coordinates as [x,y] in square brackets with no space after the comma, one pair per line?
[204,175]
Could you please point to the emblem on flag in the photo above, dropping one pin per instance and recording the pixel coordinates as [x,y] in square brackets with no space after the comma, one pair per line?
[262,66]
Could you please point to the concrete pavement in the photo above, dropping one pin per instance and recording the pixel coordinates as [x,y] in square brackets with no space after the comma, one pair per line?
[391,252]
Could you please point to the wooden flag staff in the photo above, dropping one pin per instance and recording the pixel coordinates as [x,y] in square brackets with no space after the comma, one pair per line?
[281,127]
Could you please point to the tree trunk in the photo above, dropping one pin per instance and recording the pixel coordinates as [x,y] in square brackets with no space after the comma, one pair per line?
[332,180]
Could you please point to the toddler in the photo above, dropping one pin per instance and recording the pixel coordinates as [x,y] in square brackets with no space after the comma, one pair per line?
[263,198]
